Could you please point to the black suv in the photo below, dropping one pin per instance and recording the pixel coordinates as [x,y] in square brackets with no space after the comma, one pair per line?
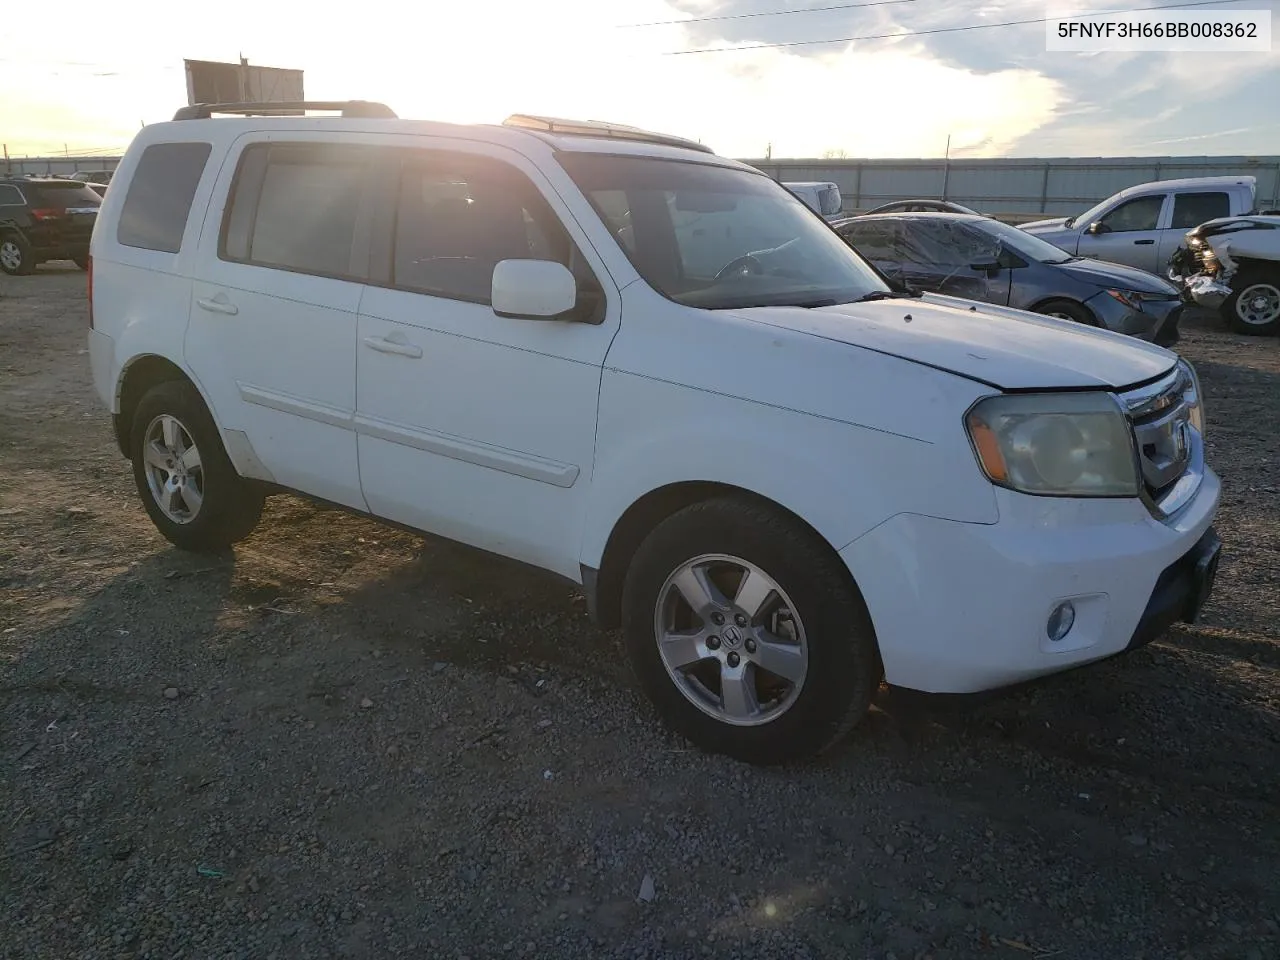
[45,218]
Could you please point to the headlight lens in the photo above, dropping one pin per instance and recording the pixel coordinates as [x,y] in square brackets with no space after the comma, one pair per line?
[1055,444]
[1194,398]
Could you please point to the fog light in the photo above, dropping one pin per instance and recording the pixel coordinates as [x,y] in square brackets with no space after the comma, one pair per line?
[1061,621]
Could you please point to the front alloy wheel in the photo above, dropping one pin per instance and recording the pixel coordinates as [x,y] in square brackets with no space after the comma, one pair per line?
[730,640]
[1259,304]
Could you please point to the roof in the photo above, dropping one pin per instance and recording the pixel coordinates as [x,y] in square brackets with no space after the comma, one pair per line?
[519,131]
[1155,186]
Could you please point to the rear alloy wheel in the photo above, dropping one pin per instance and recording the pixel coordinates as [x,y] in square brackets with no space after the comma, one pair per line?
[15,256]
[747,633]
[1254,305]
[188,485]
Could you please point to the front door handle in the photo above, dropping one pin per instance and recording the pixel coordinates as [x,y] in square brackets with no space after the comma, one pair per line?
[400,348]
[1143,243]
[218,304]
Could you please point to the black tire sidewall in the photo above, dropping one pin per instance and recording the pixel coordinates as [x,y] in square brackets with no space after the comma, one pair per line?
[844,666]
[229,508]
[1242,282]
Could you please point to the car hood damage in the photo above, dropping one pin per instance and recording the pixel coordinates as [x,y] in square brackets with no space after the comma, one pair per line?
[1006,348]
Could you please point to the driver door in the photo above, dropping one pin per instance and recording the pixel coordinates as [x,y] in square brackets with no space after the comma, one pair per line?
[1129,233]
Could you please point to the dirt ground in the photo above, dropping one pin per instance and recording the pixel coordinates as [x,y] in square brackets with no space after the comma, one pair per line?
[346,741]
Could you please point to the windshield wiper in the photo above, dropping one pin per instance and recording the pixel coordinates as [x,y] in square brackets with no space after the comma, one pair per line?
[883,295]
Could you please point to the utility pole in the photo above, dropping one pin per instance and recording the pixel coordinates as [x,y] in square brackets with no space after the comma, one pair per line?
[946,167]
[243,78]
[768,152]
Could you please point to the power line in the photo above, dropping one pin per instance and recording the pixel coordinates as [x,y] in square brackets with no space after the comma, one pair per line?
[765,13]
[962,29]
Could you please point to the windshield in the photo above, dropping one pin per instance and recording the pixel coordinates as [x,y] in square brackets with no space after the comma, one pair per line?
[1025,244]
[713,237]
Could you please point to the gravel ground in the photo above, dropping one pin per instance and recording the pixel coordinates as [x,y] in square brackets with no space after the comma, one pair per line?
[347,741]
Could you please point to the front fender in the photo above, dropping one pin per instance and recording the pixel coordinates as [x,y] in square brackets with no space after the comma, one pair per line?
[841,479]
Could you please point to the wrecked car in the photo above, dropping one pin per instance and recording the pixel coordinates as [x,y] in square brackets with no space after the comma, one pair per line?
[1232,265]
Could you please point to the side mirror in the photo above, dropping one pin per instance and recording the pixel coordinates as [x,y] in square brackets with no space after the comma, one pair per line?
[987,266]
[533,290]
[1097,227]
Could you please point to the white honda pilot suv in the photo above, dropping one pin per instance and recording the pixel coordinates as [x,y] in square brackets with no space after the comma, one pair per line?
[619,357]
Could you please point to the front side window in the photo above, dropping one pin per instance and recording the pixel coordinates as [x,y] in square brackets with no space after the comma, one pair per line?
[946,245]
[1140,213]
[459,215]
[295,207]
[1192,209]
[716,237]
[156,208]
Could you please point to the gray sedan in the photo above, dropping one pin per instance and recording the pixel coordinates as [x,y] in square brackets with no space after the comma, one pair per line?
[978,258]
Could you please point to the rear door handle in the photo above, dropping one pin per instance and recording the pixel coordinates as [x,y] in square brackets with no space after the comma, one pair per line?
[218,304]
[398,347]
[1143,243]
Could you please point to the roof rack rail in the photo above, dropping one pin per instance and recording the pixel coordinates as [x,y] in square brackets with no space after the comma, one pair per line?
[362,109]
[598,128]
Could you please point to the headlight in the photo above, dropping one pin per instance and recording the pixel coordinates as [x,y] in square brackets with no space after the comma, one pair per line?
[1193,398]
[1134,299]
[1055,444]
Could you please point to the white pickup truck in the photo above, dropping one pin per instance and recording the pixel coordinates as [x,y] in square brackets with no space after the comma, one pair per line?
[1142,226]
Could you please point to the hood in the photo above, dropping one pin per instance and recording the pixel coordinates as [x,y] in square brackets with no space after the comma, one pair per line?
[1006,348]
[1255,221]
[1116,276]
[1035,226]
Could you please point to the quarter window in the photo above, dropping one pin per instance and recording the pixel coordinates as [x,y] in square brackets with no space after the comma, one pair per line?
[10,196]
[156,208]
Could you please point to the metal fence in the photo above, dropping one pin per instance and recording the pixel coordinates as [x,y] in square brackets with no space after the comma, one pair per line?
[47,166]
[1021,189]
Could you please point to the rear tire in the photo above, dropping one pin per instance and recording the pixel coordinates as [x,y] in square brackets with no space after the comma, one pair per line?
[16,258]
[773,673]
[188,485]
[1067,310]
[1254,305]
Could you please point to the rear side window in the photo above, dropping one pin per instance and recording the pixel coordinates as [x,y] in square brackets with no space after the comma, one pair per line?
[296,207]
[1192,209]
[158,203]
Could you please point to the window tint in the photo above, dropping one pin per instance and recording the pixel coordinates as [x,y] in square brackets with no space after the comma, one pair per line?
[71,193]
[156,208]
[10,195]
[458,216]
[875,239]
[1140,213]
[295,207]
[1192,209]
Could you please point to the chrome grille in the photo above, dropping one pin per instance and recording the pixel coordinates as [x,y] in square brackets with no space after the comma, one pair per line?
[1170,449]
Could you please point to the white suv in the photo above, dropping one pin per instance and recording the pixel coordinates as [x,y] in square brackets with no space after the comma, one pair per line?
[621,358]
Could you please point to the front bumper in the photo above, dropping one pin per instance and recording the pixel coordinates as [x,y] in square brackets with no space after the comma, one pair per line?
[1157,321]
[962,607]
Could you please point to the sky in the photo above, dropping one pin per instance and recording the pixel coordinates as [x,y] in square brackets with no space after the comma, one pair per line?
[993,91]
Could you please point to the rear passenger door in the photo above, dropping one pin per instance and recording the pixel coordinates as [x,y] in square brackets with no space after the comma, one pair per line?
[273,316]
[1129,233]
[473,426]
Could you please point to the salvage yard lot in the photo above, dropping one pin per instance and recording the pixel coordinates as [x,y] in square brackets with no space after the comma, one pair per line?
[347,741]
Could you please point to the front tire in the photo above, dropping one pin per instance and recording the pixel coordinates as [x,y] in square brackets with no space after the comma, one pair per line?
[189,486]
[1254,305]
[16,258]
[746,632]
[1067,310]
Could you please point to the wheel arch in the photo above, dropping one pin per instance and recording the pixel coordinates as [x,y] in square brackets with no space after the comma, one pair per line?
[1045,301]
[603,586]
[139,375]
